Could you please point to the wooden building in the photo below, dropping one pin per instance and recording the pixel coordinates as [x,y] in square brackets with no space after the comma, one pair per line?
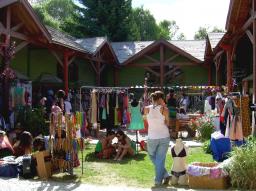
[96,61]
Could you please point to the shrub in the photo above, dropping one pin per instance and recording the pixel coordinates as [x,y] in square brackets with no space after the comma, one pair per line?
[32,120]
[242,169]
[204,126]
[207,147]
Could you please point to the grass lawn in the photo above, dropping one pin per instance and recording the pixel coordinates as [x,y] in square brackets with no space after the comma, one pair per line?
[137,171]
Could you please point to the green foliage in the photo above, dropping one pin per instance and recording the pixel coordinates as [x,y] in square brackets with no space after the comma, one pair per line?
[33,120]
[59,14]
[242,169]
[202,32]
[168,29]
[204,126]
[207,147]
[106,18]
[146,24]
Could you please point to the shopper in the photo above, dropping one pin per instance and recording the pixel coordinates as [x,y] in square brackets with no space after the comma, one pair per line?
[158,136]
[24,145]
[124,146]
[104,148]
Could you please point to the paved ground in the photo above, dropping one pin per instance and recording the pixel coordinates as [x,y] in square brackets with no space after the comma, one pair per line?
[26,185]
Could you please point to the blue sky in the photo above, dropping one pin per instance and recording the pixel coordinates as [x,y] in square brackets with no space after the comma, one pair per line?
[188,14]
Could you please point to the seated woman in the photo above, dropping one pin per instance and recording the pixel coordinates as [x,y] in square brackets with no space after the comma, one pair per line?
[124,147]
[23,145]
[5,146]
[104,147]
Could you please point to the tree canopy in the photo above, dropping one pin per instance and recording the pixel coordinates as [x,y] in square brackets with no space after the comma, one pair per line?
[203,31]
[115,19]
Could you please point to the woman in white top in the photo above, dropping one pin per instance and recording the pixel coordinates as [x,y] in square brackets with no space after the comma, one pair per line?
[158,136]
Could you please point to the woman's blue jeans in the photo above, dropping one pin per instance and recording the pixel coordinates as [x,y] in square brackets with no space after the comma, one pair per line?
[157,150]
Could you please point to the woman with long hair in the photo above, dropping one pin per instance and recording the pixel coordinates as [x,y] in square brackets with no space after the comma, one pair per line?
[158,136]
[124,146]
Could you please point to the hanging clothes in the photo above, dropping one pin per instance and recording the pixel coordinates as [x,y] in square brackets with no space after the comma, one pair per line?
[116,111]
[137,122]
[94,107]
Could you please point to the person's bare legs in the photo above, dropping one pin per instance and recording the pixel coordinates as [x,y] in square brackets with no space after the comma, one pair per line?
[119,151]
[129,150]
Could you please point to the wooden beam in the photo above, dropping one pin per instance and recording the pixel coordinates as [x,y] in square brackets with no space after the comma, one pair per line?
[169,72]
[17,27]
[179,64]
[151,59]
[8,25]
[161,66]
[65,71]
[142,65]
[98,73]
[152,71]
[171,59]
[218,54]
[229,70]
[58,58]
[254,69]
[250,36]
[93,66]
[19,36]
[102,68]
[20,46]
[248,23]
[71,60]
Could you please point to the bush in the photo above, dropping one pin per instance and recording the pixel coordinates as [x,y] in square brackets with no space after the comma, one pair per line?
[242,169]
[204,126]
[33,121]
[207,147]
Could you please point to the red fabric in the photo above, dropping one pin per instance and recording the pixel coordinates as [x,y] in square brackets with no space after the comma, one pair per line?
[128,116]
[119,115]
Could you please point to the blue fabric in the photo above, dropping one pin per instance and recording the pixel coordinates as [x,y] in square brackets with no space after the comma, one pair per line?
[9,171]
[220,148]
[157,149]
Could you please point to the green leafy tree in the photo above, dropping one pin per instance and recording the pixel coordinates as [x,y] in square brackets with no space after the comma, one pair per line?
[146,24]
[181,36]
[106,18]
[216,29]
[168,29]
[203,31]
[59,14]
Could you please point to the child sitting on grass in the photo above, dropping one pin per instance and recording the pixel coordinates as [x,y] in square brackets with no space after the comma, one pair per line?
[104,147]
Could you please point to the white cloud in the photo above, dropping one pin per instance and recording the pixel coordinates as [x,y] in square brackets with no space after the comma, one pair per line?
[188,14]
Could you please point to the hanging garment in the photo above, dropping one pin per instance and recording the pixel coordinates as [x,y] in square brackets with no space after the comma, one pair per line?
[137,122]
[94,107]
[103,107]
[116,112]
[107,104]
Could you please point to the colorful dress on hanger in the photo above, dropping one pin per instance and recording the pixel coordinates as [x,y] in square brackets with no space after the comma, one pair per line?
[94,107]
[137,122]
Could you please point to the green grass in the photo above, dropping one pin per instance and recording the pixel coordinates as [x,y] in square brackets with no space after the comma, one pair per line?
[137,171]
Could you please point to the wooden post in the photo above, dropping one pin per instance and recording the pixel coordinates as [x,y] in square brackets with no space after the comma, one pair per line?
[217,66]
[161,66]
[116,76]
[229,70]
[98,73]
[254,68]
[65,69]
[209,74]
